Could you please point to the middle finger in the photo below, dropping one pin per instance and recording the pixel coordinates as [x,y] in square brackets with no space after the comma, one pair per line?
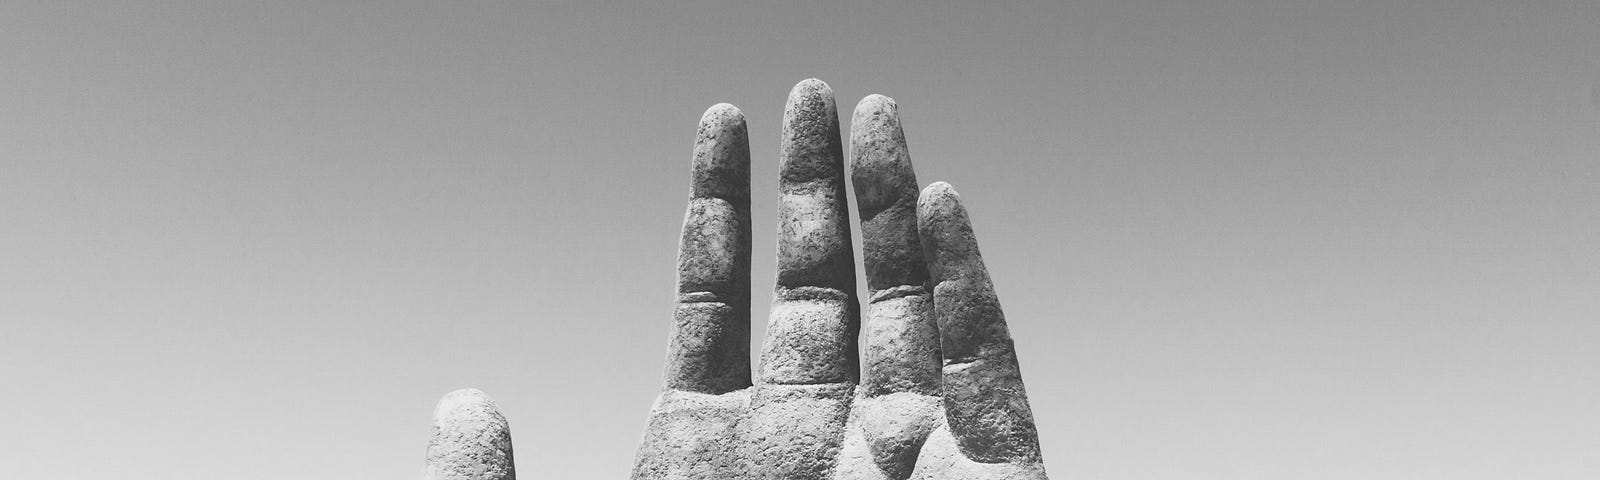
[814,320]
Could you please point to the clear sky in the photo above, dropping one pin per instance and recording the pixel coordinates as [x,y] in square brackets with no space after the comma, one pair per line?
[1234,239]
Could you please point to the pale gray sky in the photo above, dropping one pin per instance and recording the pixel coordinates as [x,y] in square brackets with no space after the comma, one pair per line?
[1234,239]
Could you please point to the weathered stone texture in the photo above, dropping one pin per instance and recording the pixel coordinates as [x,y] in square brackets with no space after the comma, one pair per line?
[810,338]
[694,436]
[931,391]
[969,314]
[714,233]
[814,247]
[886,435]
[795,431]
[471,440]
[987,409]
[815,316]
[721,166]
[709,351]
[985,402]
[940,459]
[886,195]
[902,346]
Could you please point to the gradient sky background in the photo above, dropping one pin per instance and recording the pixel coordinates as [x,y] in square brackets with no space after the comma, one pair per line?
[1235,239]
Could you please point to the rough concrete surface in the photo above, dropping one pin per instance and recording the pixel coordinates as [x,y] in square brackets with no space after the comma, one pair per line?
[471,440]
[932,392]
[710,347]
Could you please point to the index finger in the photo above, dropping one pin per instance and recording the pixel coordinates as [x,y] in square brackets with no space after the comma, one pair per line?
[710,347]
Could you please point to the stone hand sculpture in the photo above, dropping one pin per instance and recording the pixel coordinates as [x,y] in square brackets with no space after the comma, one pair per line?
[936,393]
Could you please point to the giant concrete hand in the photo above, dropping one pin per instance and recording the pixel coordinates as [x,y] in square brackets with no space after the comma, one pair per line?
[936,393]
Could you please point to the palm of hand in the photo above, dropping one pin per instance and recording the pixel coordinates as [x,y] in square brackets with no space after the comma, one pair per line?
[939,396]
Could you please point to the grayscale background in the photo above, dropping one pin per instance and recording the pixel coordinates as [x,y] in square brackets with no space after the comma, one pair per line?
[1234,239]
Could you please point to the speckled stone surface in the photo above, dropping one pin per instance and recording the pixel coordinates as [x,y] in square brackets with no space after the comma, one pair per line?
[985,402]
[930,391]
[471,440]
[710,347]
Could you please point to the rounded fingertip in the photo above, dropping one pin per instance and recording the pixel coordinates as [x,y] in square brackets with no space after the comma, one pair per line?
[465,394]
[810,87]
[948,245]
[875,128]
[938,200]
[722,155]
[471,439]
[939,194]
[719,121]
[463,400]
[721,112]
[880,164]
[875,104]
[938,204]
[810,149]
[809,100]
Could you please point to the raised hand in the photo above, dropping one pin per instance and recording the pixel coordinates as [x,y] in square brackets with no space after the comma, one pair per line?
[936,394]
